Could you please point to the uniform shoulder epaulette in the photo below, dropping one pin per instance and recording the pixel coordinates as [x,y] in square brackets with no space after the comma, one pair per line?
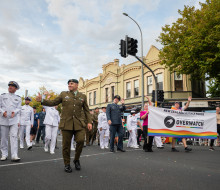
[18,95]
[3,94]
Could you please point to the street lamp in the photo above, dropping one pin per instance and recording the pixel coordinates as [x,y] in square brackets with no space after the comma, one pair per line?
[142,68]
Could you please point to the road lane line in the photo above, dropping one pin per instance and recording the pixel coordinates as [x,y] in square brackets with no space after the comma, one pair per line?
[39,161]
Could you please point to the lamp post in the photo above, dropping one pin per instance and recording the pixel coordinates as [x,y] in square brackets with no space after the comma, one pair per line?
[142,68]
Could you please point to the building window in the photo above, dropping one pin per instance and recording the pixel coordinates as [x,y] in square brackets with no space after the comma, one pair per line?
[178,79]
[113,92]
[90,98]
[128,89]
[136,88]
[160,81]
[106,95]
[149,85]
[94,97]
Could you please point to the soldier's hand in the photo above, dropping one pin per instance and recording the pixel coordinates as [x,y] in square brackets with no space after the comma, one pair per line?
[5,114]
[101,129]
[109,122]
[19,125]
[12,114]
[122,101]
[39,97]
[89,126]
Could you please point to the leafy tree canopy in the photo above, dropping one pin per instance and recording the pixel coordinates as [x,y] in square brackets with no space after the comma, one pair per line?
[191,45]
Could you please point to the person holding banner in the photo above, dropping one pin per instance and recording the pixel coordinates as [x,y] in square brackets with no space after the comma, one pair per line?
[177,107]
[218,128]
[144,116]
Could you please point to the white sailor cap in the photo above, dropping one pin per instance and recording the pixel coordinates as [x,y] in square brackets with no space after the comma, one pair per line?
[13,83]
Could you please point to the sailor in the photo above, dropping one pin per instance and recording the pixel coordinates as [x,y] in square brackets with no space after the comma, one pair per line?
[103,127]
[51,121]
[10,106]
[26,121]
[132,123]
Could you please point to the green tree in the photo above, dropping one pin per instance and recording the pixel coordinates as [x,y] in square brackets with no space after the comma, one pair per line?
[214,88]
[191,44]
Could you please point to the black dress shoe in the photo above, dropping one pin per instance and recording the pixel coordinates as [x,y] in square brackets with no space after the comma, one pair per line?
[112,150]
[68,169]
[122,150]
[77,164]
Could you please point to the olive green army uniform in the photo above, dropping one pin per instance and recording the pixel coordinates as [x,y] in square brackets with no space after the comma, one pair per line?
[71,120]
[95,125]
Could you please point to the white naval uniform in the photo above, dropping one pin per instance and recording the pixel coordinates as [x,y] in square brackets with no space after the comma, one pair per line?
[132,126]
[9,126]
[104,134]
[26,120]
[51,121]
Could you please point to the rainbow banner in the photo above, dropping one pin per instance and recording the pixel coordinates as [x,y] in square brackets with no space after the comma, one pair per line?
[181,124]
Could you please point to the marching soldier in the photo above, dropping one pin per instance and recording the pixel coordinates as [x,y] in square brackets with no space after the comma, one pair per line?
[103,129]
[10,106]
[71,122]
[26,123]
[113,113]
[95,124]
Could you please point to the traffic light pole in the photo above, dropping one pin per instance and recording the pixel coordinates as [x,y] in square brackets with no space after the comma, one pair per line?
[155,78]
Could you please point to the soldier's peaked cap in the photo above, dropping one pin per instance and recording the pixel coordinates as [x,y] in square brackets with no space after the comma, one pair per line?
[28,98]
[13,83]
[118,97]
[73,80]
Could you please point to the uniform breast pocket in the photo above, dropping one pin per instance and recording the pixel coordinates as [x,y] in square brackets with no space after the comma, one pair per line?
[66,102]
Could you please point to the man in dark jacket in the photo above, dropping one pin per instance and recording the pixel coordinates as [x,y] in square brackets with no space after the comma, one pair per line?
[113,113]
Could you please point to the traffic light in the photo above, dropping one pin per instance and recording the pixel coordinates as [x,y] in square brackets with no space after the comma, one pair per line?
[160,95]
[123,48]
[153,96]
[131,46]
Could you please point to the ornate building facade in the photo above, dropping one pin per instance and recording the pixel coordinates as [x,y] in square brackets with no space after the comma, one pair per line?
[125,80]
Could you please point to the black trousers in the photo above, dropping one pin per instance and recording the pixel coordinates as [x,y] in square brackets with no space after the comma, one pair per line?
[139,133]
[147,146]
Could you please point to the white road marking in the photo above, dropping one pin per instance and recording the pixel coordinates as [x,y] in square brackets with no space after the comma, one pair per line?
[39,161]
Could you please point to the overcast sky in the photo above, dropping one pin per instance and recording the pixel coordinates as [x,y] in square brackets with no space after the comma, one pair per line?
[47,42]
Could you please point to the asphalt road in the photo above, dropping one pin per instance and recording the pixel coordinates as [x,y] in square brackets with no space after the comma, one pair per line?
[102,170]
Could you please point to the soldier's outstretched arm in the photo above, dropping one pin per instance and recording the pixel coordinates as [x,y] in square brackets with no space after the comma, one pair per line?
[54,102]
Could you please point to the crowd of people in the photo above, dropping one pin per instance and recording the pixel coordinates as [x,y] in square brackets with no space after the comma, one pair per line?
[77,123]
